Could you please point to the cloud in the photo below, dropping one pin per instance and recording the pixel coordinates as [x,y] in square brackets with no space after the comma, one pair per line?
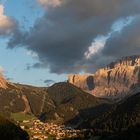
[9,79]
[62,36]
[49,82]
[1,69]
[52,3]
[95,47]
[32,54]
[7,24]
[124,43]
[119,44]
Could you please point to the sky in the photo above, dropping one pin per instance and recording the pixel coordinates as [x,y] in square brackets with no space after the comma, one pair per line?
[41,41]
[14,62]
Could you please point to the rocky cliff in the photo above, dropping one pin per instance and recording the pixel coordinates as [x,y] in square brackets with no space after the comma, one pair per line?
[3,82]
[116,80]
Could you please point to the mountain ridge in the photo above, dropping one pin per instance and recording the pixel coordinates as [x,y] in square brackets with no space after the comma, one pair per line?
[59,103]
[115,80]
[65,103]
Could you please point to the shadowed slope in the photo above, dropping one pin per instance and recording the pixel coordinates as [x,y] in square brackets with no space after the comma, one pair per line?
[68,100]
[9,131]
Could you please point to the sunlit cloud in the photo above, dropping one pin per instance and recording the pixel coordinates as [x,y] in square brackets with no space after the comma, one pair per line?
[7,24]
[95,47]
[53,3]
[1,69]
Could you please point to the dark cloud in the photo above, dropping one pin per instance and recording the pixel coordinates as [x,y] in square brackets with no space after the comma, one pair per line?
[124,43]
[118,45]
[63,34]
[49,82]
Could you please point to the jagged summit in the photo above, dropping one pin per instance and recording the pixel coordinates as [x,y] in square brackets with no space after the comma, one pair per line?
[3,82]
[125,61]
[116,80]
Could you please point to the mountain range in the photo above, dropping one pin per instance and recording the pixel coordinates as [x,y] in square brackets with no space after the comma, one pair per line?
[108,102]
[114,81]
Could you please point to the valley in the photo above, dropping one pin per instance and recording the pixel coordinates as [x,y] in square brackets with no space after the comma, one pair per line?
[66,110]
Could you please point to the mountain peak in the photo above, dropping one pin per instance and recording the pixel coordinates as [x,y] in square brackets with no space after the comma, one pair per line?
[125,61]
[3,82]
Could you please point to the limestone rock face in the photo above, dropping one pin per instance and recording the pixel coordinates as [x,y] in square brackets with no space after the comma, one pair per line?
[3,82]
[84,81]
[116,80]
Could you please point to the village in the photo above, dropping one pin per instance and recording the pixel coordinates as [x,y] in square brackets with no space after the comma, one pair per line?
[43,131]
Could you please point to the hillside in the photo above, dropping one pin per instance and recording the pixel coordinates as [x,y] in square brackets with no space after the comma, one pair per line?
[68,101]
[121,121]
[60,102]
[122,115]
[9,131]
[116,80]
